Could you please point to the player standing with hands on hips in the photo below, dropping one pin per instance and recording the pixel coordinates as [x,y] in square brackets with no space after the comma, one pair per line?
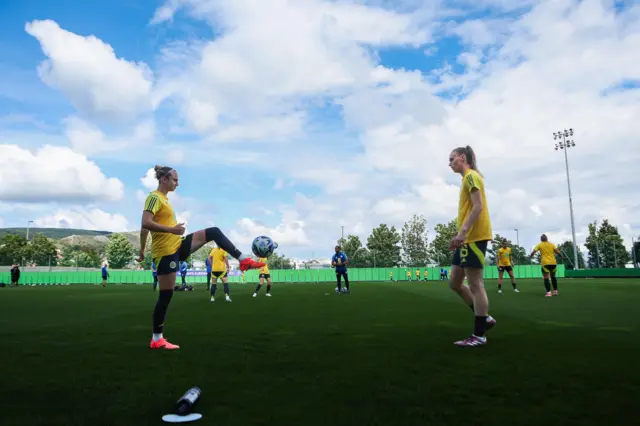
[470,244]
[340,262]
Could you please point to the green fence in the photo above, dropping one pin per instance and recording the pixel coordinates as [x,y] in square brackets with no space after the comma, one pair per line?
[605,273]
[302,275]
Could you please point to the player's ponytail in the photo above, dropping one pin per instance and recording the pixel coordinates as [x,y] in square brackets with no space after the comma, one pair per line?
[161,171]
[471,158]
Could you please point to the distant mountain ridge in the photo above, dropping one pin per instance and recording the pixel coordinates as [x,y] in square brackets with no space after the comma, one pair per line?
[75,237]
[53,233]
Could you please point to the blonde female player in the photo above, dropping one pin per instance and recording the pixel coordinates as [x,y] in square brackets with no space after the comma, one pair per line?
[219,262]
[549,263]
[169,248]
[470,244]
[264,275]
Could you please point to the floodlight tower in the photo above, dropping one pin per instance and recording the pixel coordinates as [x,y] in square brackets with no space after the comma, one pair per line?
[564,145]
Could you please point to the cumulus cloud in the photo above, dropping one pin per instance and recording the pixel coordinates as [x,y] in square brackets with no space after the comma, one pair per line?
[289,233]
[84,218]
[88,72]
[86,138]
[53,174]
[252,72]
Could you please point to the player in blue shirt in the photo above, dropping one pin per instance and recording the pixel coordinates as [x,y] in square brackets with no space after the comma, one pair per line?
[154,272]
[105,275]
[208,264]
[183,272]
[340,262]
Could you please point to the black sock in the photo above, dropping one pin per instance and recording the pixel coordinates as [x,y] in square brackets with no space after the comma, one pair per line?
[214,288]
[499,286]
[513,283]
[258,287]
[268,288]
[480,326]
[215,234]
[208,280]
[161,310]
[339,278]
[226,288]
[554,281]
[346,282]
[547,285]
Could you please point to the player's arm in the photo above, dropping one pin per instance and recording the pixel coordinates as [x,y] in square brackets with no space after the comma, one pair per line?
[226,262]
[535,249]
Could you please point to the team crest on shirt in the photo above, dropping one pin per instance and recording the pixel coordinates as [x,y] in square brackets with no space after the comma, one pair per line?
[173,265]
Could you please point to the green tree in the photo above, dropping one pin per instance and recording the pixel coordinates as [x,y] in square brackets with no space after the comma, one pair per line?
[359,257]
[384,242]
[120,252]
[605,246]
[566,248]
[414,241]
[635,256]
[42,251]
[277,261]
[439,250]
[12,249]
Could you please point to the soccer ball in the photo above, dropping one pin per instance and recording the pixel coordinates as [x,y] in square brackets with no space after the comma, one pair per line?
[263,246]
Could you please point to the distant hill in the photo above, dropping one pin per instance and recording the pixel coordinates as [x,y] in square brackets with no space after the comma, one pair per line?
[97,240]
[53,233]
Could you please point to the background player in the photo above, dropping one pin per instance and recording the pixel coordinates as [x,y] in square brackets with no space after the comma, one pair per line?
[169,248]
[470,244]
[548,262]
[207,264]
[505,263]
[154,272]
[105,275]
[340,262]
[264,275]
[219,261]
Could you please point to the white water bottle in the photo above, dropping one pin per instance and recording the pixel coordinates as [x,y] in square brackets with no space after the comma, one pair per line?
[188,400]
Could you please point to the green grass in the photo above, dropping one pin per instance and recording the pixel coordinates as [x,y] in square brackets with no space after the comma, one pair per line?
[78,355]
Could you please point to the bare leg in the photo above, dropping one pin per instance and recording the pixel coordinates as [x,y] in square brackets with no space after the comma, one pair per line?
[456,284]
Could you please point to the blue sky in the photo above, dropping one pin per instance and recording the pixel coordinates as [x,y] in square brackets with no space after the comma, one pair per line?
[294,121]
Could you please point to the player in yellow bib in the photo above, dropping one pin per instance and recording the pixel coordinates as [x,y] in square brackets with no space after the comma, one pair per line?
[264,275]
[549,263]
[219,261]
[505,263]
[169,247]
[470,244]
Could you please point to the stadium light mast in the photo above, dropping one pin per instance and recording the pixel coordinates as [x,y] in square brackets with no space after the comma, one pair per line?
[564,144]
[28,224]
[517,238]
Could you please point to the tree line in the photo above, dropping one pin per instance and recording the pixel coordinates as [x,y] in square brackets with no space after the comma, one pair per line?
[386,246]
[410,247]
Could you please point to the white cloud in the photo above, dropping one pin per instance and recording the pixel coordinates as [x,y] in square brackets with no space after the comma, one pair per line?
[254,79]
[84,218]
[88,72]
[86,138]
[290,232]
[53,174]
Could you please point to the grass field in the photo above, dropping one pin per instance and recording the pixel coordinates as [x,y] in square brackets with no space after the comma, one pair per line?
[78,355]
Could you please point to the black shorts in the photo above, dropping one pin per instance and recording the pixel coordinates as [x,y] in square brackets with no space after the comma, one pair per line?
[549,268]
[171,263]
[219,274]
[470,255]
[342,273]
[505,268]
[265,276]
